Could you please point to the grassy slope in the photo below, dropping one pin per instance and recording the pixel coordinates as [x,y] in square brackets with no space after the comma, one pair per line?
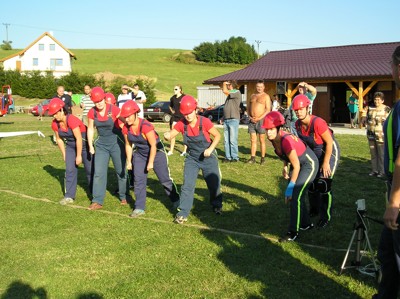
[72,253]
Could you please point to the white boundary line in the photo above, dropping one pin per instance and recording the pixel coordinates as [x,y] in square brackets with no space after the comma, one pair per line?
[199,227]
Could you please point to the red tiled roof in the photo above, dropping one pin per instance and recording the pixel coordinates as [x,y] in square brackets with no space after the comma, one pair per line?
[341,62]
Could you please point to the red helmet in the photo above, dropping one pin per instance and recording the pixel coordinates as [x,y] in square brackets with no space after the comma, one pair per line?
[300,101]
[55,105]
[129,108]
[188,105]
[272,120]
[97,94]
[110,99]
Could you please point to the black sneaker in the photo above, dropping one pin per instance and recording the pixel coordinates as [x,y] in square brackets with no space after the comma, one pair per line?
[252,160]
[226,160]
[235,160]
[217,210]
[322,223]
[290,236]
[307,227]
[262,161]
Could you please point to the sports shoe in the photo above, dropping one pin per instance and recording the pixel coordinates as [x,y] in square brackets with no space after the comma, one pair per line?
[136,213]
[170,153]
[373,173]
[290,236]
[307,227]
[217,210]
[180,219]
[262,161]
[95,206]
[322,223]
[183,154]
[380,175]
[66,200]
[235,160]
[252,160]
[226,160]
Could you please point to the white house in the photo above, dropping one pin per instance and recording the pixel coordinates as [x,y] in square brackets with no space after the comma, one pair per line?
[44,54]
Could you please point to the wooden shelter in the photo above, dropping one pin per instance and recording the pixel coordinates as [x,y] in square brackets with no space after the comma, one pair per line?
[334,71]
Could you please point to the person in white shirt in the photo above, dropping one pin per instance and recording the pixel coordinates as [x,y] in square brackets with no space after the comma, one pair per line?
[139,97]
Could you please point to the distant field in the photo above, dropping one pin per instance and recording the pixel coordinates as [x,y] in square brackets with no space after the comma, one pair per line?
[155,63]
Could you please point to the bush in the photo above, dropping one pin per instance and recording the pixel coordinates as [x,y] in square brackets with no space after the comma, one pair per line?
[145,84]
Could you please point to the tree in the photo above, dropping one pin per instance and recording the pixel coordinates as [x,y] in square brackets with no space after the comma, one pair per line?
[6,45]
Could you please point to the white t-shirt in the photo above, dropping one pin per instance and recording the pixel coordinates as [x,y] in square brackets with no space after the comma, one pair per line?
[141,96]
[122,98]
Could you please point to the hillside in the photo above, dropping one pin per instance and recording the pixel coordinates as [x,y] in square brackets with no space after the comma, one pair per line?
[156,63]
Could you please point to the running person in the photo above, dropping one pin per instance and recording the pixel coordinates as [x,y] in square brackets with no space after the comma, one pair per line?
[314,131]
[303,169]
[150,154]
[108,144]
[201,154]
[70,130]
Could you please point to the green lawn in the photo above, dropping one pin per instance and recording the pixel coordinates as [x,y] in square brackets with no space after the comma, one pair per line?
[71,252]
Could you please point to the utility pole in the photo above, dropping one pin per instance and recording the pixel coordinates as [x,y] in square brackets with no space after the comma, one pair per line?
[258,48]
[6,24]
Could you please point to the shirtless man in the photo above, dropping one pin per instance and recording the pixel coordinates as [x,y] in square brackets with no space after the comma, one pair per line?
[258,107]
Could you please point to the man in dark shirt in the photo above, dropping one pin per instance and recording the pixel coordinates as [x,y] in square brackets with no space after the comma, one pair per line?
[174,105]
[65,97]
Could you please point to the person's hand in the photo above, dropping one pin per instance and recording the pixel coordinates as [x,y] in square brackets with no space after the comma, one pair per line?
[390,216]
[129,165]
[91,149]
[207,153]
[150,166]
[289,191]
[78,160]
[326,170]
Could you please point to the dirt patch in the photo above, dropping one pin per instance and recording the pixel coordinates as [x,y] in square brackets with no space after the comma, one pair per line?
[108,77]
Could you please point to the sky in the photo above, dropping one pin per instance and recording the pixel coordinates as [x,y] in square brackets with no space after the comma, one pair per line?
[268,25]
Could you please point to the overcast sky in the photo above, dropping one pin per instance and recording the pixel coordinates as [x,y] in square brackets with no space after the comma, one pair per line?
[269,25]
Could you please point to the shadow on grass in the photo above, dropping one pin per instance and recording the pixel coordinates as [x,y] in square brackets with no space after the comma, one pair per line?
[19,289]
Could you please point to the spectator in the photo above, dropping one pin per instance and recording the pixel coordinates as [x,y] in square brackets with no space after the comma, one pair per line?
[353,108]
[108,144]
[197,132]
[71,139]
[303,169]
[311,93]
[86,103]
[231,120]
[174,106]
[149,155]
[140,98]
[125,95]
[376,116]
[276,103]
[257,107]
[65,97]
[389,246]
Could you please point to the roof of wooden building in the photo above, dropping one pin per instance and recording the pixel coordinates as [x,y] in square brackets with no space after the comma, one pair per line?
[328,63]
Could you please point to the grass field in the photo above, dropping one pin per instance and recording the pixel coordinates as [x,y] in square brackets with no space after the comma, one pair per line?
[158,64]
[53,251]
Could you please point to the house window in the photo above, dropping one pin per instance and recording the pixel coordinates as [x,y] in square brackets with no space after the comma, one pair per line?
[52,47]
[41,47]
[35,62]
[55,62]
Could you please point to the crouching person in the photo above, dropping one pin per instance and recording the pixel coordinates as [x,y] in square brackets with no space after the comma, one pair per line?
[201,154]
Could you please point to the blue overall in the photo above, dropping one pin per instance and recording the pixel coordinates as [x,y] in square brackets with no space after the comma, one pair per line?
[320,202]
[71,170]
[194,161]
[299,216]
[140,159]
[109,144]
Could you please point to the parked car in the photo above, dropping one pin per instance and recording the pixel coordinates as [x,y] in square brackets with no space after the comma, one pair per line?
[45,107]
[215,114]
[158,111]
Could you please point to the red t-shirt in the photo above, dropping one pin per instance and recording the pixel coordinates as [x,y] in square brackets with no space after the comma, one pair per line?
[73,122]
[291,142]
[207,125]
[320,127]
[146,128]
[114,113]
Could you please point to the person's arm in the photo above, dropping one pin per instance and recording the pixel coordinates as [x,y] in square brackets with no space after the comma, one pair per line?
[170,134]
[294,161]
[328,140]
[216,138]
[225,89]
[60,144]
[128,151]
[151,139]
[393,206]
[78,141]
[90,134]
[311,89]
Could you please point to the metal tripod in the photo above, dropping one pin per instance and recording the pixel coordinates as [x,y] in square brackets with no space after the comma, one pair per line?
[360,230]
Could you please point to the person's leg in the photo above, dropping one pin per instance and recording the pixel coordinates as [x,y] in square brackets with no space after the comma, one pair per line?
[140,174]
[118,157]
[379,157]
[190,173]
[88,164]
[161,169]
[234,134]
[253,147]
[101,159]
[71,172]
[374,161]
[263,146]
[228,154]
[212,176]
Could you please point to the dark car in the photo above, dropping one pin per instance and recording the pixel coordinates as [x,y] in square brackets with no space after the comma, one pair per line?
[45,107]
[217,113]
[158,111]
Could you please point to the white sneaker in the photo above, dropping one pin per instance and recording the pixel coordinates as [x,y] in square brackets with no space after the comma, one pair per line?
[66,200]
[169,153]
[183,154]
